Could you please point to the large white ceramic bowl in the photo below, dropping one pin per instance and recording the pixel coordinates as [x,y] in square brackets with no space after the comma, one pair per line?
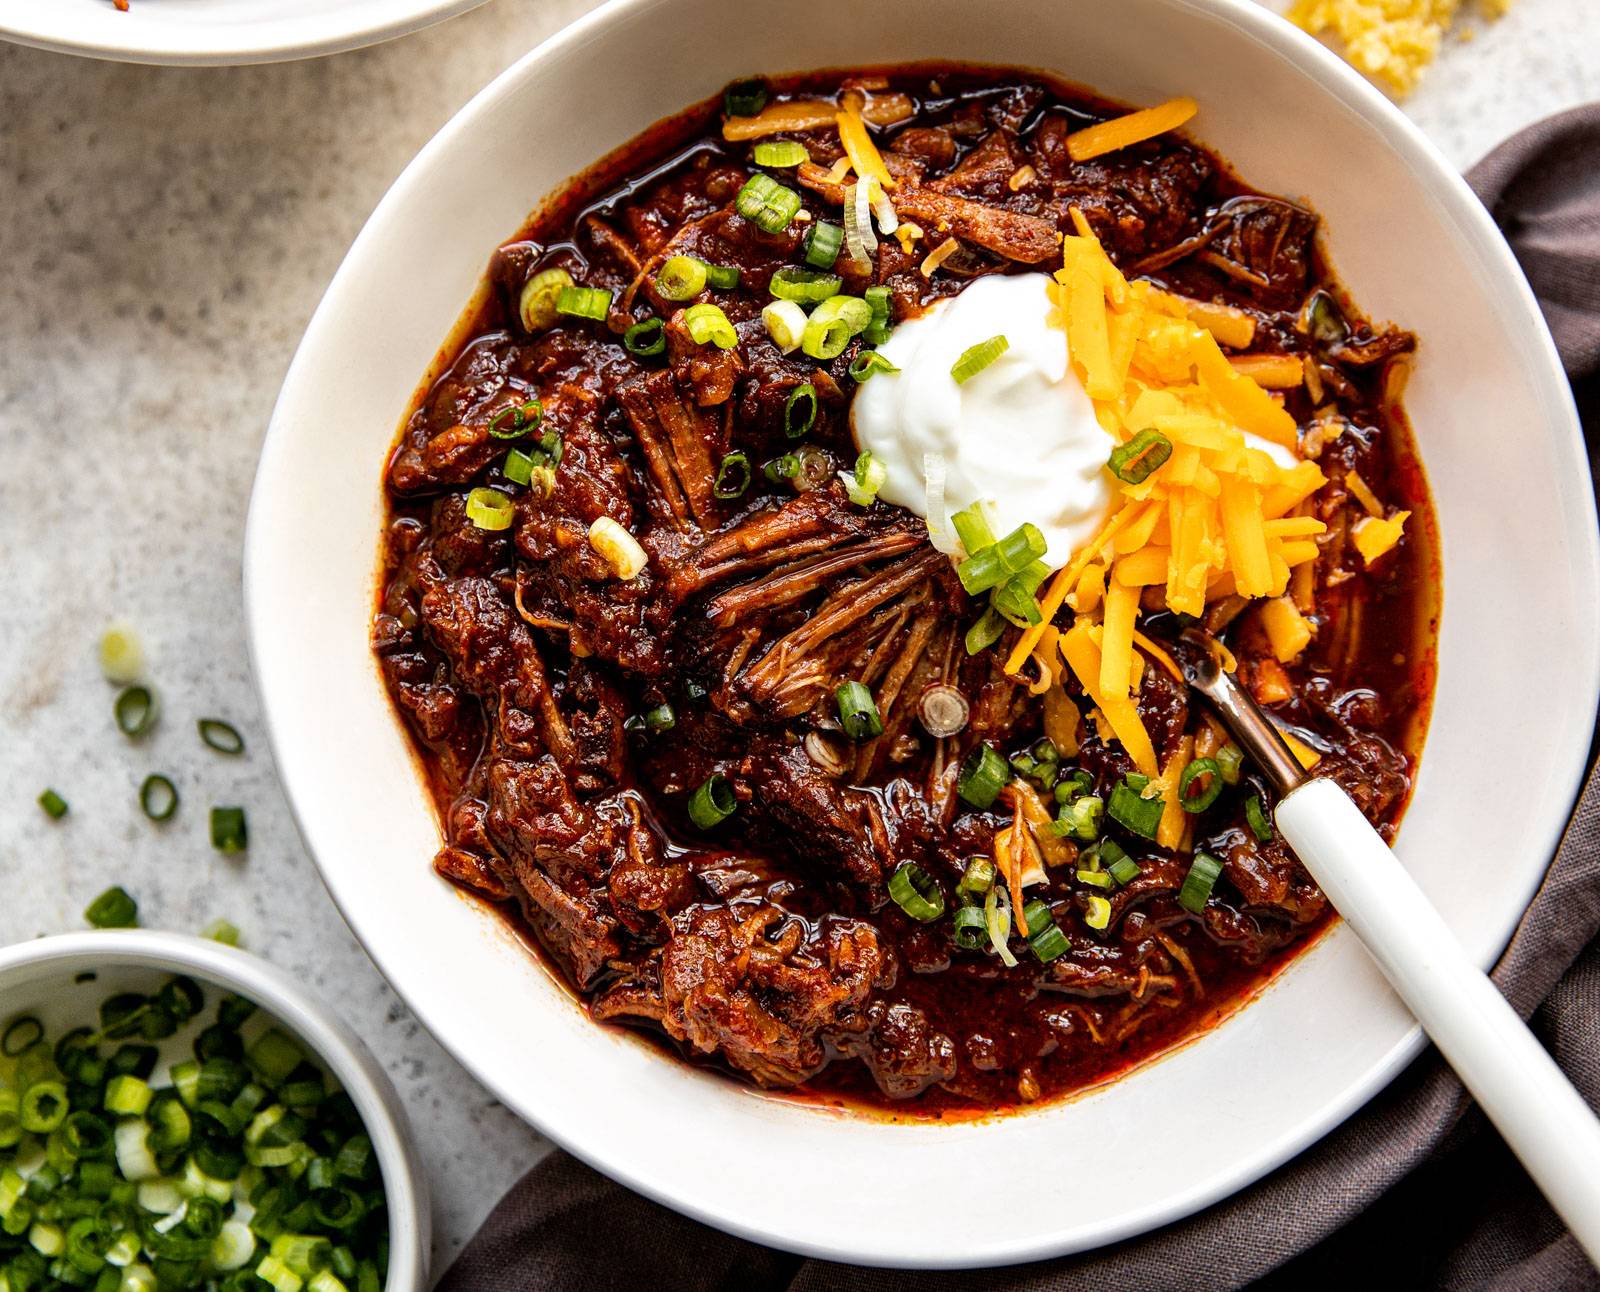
[1517,663]
[46,978]
[216,31]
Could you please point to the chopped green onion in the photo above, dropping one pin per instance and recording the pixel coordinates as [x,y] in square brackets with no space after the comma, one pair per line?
[222,736]
[983,775]
[877,331]
[121,655]
[1230,758]
[1074,784]
[733,476]
[53,804]
[722,277]
[44,1106]
[785,322]
[1199,882]
[804,286]
[158,797]
[514,422]
[1081,819]
[971,931]
[21,1034]
[997,920]
[781,153]
[782,468]
[222,931]
[681,278]
[707,322]
[136,711]
[1044,934]
[489,509]
[916,892]
[647,339]
[1131,810]
[661,718]
[1094,878]
[745,98]
[537,305]
[819,247]
[518,467]
[1097,914]
[113,909]
[229,832]
[974,527]
[800,411]
[857,712]
[868,362]
[1124,870]
[713,802]
[1207,794]
[767,203]
[1134,461]
[1256,817]
[127,1096]
[989,628]
[863,484]
[974,359]
[1014,599]
[584,302]
[977,879]
[994,564]
[832,324]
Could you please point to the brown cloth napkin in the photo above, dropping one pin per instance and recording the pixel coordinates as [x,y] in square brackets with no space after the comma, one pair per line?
[1414,1191]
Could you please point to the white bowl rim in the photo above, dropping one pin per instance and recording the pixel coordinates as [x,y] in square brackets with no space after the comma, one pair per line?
[1349,89]
[369,1088]
[123,38]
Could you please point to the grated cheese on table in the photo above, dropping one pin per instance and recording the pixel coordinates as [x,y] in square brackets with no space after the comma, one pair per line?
[1391,41]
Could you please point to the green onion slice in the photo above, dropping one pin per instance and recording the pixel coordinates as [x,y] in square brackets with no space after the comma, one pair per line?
[21,1034]
[222,736]
[1129,809]
[661,718]
[516,421]
[136,711]
[971,932]
[782,468]
[1207,794]
[121,654]
[983,775]
[1199,882]
[977,879]
[800,411]
[1124,870]
[745,98]
[785,322]
[974,527]
[1097,913]
[989,628]
[681,278]
[537,304]
[803,286]
[863,483]
[584,302]
[518,468]
[992,565]
[54,805]
[707,322]
[997,920]
[1256,818]
[1230,758]
[733,476]
[158,797]
[1134,461]
[113,909]
[858,714]
[1044,934]
[974,359]
[713,802]
[916,892]
[868,363]
[647,339]
[490,509]
[819,246]
[781,153]
[229,830]
[723,278]
[767,204]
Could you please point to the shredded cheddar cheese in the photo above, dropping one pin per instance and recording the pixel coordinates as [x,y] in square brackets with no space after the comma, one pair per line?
[858,146]
[1374,537]
[1119,132]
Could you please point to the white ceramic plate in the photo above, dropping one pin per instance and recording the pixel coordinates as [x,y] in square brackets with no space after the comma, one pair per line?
[216,31]
[1518,660]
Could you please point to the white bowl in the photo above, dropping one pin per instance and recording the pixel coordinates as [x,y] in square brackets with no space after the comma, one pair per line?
[39,978]
[216,31]
[1519,657]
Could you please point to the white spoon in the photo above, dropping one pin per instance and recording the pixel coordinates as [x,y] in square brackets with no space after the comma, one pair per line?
[1544,1120]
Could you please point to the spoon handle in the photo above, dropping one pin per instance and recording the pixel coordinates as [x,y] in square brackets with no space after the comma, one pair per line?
[1544,1120]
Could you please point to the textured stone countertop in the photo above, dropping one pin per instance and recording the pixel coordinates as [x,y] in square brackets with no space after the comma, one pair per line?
[164,237]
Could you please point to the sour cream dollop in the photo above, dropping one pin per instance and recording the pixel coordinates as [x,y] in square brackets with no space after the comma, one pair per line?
[1021,434]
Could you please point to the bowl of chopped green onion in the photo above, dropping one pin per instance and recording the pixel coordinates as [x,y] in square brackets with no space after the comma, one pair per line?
[177,1114]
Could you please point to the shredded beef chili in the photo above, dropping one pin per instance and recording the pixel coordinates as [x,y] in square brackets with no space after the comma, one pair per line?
[566,716]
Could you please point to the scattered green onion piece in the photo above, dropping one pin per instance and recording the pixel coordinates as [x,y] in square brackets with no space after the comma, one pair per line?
[584,302]
[1199,882]
[491,510]
[222,931]
[21,1034]
[781,153]
[977,879]
[767,204]
[1044,934]
[989,628]
[708,323]
[1074,784]
[800,411]
[647,339]
[222,736]
[127,1096]
[1015,602]
[983,775]
[681,278]
[55,807]
[1230,758]
[44,1106]
[785,322]
[723,278]
[1094,878]
[121,655]
[974,359]
[782,468]
[113,909]
[745,98]
[1129,809]
[661,718]
[537,305]
[858,714]
[804,286]
[733,476]
[713,802]
[1256,817]
[971,932]
[916,892]
[135,711]
[819,247]
[1081,819]
[1097,914]
[229,832]
[158,797]
[1207,795]
[997,921]
[877,331]
[514,422]
[1124,870]
[832,324]
[974,528]
[1134,461]
[518,467]
[863,483]
[867,363]
[996,562]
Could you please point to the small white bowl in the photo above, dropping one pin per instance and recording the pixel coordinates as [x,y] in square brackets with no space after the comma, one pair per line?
[40,978]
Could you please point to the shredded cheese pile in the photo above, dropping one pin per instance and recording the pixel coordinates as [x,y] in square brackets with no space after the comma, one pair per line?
[1390,40]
